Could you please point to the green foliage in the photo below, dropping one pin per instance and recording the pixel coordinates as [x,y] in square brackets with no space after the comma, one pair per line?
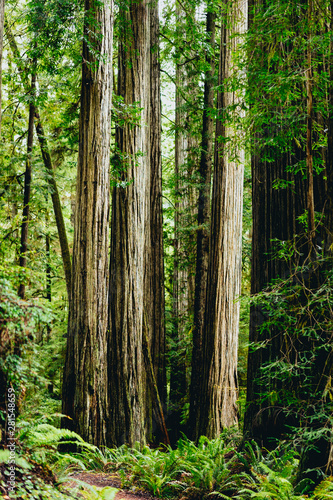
[94,493]
[186,469]
[20,322]
[324,490]
[277,43]
[31,480]
[38,451]
[298,375]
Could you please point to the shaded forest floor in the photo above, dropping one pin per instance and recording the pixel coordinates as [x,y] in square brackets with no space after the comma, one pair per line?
[222,468]
[103,480]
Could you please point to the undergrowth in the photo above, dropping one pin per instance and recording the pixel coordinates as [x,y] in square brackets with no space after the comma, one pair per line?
[212,469]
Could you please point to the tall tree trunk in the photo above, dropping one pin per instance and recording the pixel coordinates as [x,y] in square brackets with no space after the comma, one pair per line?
[219,391]
[130,234]
[184,242]
[276,217]
[85,373]
[66,258]
[48,270]
[205,172]
[317,458]
[329,160]
[309,127]
[27,185]
[155,305]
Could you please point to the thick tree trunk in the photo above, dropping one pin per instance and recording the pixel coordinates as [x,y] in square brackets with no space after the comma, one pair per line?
[219,390]
[155,305]
[27,186]
[85,374]
[184,218]
[130,236]
[205,172]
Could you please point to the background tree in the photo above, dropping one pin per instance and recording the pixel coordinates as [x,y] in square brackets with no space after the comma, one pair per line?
[45,152]
[27,185]
[2,19]
[289,199]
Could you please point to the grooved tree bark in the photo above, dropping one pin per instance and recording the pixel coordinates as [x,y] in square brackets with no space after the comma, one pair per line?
[218,391]
[184,238]
[136,271]
[205,172]
[85,374]
[155,263]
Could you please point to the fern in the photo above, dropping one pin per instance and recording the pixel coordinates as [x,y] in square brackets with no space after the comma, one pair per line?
[324,490]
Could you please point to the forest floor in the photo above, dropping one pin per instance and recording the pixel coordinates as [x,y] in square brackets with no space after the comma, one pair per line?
[102,480]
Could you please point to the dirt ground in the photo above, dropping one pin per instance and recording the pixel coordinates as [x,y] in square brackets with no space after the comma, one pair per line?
[101,480]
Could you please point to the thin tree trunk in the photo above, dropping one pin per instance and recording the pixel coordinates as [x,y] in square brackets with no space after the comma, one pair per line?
[219,391]
[66,258]
[48,268]
[85,374]
[205,172]
[27,185]
[318,457]
[329,161]
[309,121]
[48,271]
[130,234]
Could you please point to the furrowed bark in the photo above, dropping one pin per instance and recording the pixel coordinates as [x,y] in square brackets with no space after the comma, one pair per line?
[85,386]
[219,391]
[154,254]
[205,172]
[130,235]
[329,161]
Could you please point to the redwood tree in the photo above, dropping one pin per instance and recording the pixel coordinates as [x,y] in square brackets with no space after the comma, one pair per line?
[290,357]
[136,310]
[85,374]
[218,391]
[204,200]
